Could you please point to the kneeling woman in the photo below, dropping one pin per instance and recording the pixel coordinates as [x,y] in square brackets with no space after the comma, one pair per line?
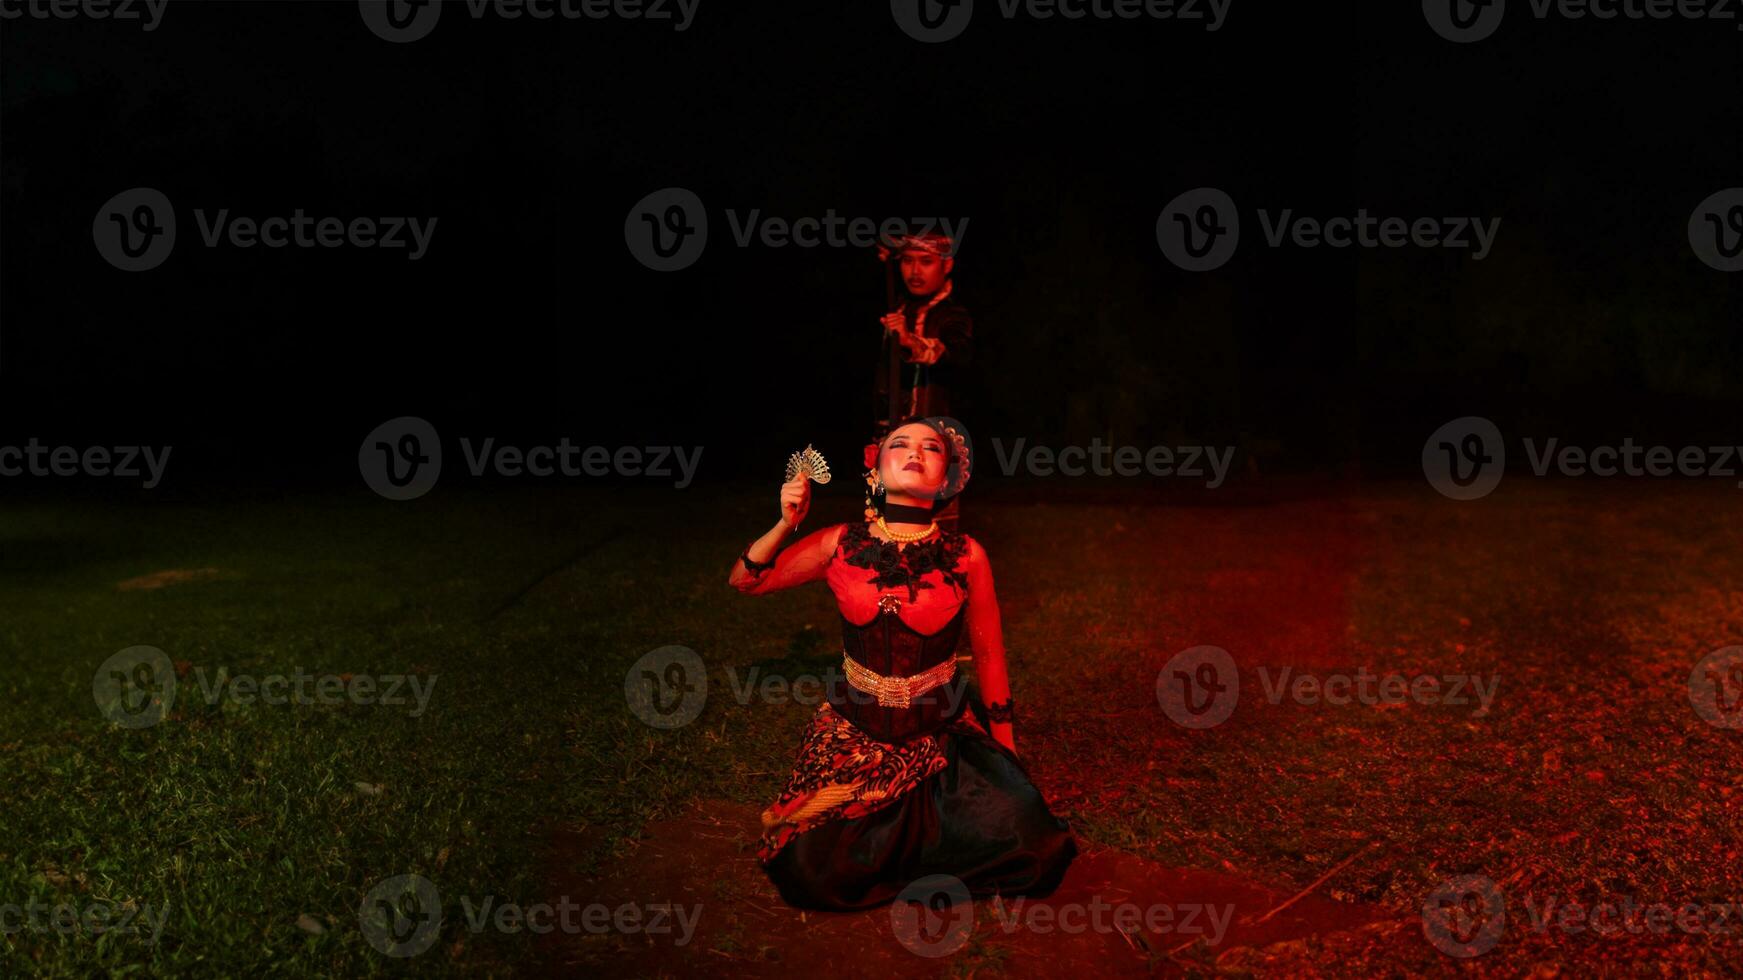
[897,775]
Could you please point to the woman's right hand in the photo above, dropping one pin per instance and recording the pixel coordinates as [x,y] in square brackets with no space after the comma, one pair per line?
[795,500]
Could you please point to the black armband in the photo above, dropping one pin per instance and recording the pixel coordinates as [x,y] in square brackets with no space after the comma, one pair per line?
[1002,711]
[756,568]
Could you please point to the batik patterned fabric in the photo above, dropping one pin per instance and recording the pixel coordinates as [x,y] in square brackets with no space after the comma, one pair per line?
[842,773]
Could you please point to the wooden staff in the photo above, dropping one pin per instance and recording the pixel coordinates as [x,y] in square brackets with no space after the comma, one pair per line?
[892,349]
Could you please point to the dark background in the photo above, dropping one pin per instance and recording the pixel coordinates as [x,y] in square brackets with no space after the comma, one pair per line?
[1060,142]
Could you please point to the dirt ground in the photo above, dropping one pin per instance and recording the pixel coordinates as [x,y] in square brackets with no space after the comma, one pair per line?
[705,859]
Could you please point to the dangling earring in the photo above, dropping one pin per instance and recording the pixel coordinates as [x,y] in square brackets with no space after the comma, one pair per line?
[874,487]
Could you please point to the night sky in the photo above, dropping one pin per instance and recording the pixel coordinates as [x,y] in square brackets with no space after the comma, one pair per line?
[1060,141]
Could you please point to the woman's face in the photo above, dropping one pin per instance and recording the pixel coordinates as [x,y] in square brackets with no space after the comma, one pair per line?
[914,462]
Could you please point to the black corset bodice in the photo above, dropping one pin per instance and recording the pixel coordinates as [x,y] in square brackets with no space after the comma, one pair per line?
[892,648]
[875,584]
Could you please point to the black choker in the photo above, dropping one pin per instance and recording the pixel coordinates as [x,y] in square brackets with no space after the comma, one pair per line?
[903,514]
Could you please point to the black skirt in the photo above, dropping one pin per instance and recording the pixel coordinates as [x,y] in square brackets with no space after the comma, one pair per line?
[979,819]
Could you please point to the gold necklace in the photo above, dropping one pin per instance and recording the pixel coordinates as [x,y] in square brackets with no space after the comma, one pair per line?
[905,537]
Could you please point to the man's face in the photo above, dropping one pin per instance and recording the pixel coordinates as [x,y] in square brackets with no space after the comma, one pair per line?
[924,273]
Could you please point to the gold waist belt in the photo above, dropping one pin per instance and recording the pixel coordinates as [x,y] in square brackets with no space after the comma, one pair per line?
[897,692]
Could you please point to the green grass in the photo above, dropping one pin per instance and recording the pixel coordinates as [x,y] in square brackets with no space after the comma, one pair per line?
[1591,776]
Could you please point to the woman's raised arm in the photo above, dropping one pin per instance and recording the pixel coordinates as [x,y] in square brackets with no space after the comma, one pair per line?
[760,569]
[804,561]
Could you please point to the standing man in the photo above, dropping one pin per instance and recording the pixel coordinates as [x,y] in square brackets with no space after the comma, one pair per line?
[932,332]
[928,339]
